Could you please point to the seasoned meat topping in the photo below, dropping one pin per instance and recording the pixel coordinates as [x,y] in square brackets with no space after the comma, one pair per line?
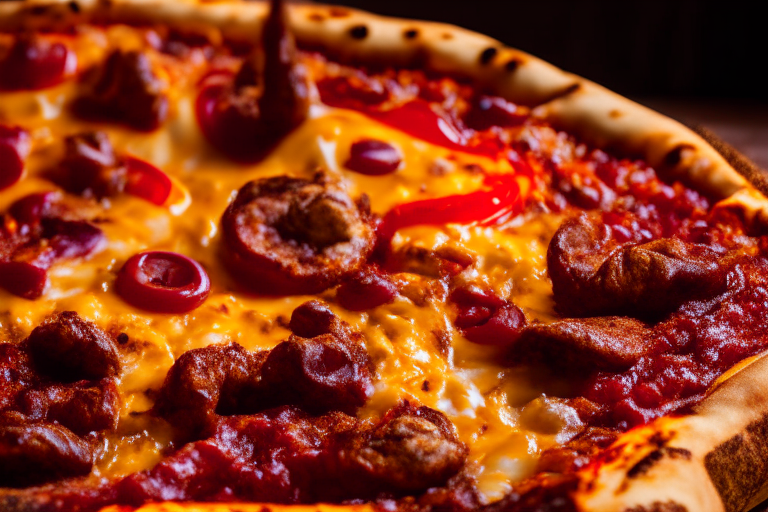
[290,236]
[57,393]
[328,372]
[585,343]
[125,89]
[36,453]
[90,166]
[69,348]
[267,98]
[593,274]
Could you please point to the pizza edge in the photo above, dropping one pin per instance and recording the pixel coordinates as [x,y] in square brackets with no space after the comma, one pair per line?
[710,460]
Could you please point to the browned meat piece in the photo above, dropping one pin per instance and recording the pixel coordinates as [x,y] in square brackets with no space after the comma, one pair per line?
[70,348]
[314,318]
[577,453]
[36,453]
[267,99]
[126,90]
[46,419]
[329,372]
[411,449]
[291,236]
[82,407]
[585,344]
[592,274]
[90,166]
[325,373]
[16,373]
[199,380]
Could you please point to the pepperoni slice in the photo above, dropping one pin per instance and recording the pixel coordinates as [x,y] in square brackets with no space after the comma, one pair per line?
[366,289]
[288,236]
[14,148]
[23,279]
[163,282]
[373,157]
[40,230]
[33,63]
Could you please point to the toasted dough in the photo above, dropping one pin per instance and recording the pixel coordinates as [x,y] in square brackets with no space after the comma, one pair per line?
[712,460]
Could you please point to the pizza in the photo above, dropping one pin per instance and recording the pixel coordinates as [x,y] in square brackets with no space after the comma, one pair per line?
[257,257]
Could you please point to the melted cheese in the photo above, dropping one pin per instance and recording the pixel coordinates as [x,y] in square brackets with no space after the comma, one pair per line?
[465,381]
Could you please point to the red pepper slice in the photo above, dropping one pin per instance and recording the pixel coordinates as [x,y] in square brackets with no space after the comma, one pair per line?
[500,195]
[14,148]
[419,119]
[33,63]
[147,181]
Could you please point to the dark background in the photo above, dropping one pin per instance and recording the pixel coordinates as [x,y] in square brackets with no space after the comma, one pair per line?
[638,48]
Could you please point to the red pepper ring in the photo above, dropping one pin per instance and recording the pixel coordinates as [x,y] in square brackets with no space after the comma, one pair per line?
[163,282]
[500,195]
[147,181]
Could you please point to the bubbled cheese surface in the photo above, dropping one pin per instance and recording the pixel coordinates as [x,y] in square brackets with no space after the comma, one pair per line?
[418,354]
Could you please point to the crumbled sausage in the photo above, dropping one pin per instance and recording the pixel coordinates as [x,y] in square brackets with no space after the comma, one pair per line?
[90,166]
[411,449]
[325,373]
[125,89]
[36,453]
[193,389]
[82,407]
[70,348]
[585,344]
[593,274]
[291,236]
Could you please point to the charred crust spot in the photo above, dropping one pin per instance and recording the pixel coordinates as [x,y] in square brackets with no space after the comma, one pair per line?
[678,453]
[425,387]
[411,33]
[487,55]
[646,463]
[338,12]
[659,506]
[676,154]
[74,7]
[563,93]
[359,32]
[122,338]
[512,65]
[38,10]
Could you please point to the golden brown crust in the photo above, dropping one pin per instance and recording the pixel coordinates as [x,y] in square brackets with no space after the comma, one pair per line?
[712,460]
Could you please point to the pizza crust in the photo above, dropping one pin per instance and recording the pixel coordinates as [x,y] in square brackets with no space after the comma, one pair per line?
[712,460]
